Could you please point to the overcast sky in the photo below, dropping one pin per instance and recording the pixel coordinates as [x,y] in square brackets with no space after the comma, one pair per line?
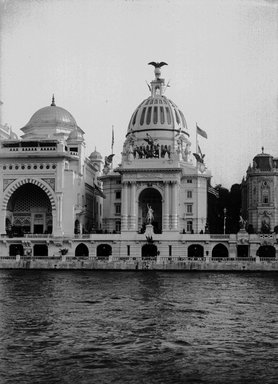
[222,65]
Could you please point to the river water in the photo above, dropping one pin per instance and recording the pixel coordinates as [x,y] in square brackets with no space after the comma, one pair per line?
[138,327]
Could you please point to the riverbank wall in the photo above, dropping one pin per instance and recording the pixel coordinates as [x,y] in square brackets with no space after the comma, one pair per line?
[132,265]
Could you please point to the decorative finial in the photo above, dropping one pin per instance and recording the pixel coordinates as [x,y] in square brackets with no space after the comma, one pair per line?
[53,101]
[262,149]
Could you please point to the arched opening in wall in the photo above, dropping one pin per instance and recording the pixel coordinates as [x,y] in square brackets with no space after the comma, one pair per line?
[104,251]
[150,197]
[149,250]
[82,250]
[16,249]
[8,226]
[30,211]
[219,250]
[266,251]
[195,250]
[40,250]
[77,230]
[242,250]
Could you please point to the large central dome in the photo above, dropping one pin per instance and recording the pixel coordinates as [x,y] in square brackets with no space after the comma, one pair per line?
[159,122]
[157,116]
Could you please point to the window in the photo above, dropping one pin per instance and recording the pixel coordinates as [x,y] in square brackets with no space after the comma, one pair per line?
[149,113]
[118,194]
[189,226]
[143,116]
[189,194]
[128,250]
[189,181]
[118,226]
[155,115]
[189,208]
[170,250]
[162,117]
[117,209]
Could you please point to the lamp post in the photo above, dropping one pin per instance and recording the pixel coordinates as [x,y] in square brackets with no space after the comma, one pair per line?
[225,211]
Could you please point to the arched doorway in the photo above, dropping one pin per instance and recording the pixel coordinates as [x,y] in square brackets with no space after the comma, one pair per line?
[82,250]
[220,251]
[104,251]
[151,197]
[16,249]
[242,250]
[266,251]
[40,250]
[29,210]
[195,250]
[149,250]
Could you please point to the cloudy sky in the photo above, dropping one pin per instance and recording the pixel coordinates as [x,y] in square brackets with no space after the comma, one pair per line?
[222,60]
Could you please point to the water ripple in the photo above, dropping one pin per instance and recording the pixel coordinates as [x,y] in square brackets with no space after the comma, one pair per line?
[138,327]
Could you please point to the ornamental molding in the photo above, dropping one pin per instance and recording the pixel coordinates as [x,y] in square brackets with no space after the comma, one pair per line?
[7,182]
[50,181]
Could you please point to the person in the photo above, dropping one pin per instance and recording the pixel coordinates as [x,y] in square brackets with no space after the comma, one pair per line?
[150,215]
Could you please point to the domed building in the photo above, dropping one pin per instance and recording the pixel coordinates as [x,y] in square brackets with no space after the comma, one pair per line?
[259,196]
[157,172]
[49,187]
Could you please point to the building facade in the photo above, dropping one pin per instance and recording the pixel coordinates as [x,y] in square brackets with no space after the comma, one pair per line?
[259,194]
[48,184]
[157,172]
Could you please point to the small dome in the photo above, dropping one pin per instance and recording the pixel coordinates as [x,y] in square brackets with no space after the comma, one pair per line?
[52,115]
[263,161]
[75,135]
[50,121]
[95,155]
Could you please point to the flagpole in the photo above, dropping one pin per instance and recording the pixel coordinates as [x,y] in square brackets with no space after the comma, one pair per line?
[197,182]
[112,145]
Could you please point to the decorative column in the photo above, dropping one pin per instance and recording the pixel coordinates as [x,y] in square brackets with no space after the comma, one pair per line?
[133,206]
[174,206]
[3,222]
[57,229]
[124,207]
[166,207]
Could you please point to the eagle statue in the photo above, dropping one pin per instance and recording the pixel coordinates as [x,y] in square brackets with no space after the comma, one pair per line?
[157,65]
[108,160]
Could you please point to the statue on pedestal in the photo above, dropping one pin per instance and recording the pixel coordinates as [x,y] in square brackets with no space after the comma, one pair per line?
[150,215]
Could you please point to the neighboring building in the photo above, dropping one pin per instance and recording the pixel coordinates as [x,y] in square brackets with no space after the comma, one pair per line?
[259,194]
[157,170]
[48,185]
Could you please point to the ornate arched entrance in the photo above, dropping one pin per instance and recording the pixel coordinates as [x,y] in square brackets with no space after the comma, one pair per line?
[150,197]
[29,210]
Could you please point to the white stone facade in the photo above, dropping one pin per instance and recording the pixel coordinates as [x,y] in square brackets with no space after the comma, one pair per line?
[47,184]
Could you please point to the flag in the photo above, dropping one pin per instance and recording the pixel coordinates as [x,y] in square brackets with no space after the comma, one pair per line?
[213,191]
[112,136]
[201,132]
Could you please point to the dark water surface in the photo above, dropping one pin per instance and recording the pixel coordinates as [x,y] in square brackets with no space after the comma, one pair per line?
[138,327]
